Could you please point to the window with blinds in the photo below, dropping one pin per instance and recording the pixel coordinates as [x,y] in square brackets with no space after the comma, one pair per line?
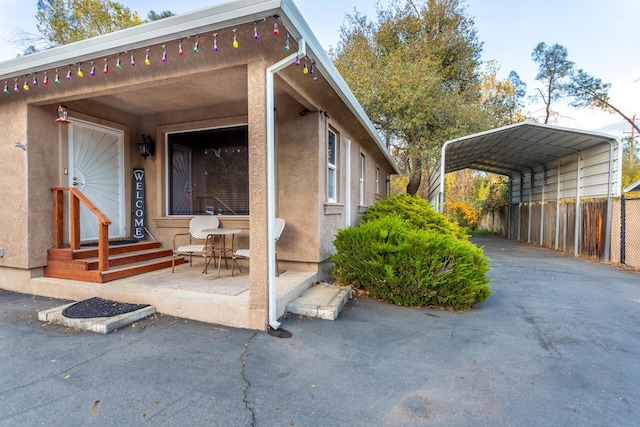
[208,172]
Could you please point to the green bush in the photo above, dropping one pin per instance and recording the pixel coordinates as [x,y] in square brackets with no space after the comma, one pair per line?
[392,260]
[416,212]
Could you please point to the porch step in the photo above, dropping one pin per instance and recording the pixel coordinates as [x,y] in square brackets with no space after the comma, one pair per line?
[322,301]
[124,260]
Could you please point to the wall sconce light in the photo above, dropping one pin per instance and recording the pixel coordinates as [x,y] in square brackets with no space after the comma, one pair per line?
[63,114]
[146,147]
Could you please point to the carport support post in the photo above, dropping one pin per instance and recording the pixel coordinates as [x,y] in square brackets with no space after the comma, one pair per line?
[531,183]
[558,194]
[544,178]
[576,239]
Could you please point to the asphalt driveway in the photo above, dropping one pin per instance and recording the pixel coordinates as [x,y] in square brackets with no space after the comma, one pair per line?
[557,343]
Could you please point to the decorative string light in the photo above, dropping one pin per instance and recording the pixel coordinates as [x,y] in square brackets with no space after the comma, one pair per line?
[308,68]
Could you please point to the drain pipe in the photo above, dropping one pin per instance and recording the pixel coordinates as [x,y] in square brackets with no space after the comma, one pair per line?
[271,199]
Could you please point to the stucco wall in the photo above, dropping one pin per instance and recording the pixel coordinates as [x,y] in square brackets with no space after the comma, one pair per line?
[14,226]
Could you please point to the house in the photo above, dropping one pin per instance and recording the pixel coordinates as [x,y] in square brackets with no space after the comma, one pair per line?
[237,112]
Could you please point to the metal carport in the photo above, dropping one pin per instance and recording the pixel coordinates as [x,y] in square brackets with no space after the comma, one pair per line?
[543,163]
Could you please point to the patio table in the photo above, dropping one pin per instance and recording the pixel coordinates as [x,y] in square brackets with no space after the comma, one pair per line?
[221,233]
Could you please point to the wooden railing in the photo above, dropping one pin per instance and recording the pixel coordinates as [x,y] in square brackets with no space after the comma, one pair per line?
[75,197]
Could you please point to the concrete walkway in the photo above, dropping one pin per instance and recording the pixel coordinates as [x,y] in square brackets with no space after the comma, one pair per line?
[556,344]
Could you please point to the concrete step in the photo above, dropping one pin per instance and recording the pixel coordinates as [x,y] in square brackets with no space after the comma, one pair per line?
[102,325]
[323,301]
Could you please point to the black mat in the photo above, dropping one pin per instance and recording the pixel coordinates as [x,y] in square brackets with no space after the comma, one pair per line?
[98,307]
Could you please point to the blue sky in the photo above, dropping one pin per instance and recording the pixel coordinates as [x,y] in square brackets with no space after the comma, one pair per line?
[603,38]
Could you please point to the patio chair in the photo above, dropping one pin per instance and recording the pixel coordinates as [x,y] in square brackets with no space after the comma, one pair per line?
[197,235]
[246,253]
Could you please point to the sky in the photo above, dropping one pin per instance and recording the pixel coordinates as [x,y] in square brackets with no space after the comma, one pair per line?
[602,38]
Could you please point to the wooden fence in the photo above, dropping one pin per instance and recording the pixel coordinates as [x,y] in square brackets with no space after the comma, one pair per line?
[536,223]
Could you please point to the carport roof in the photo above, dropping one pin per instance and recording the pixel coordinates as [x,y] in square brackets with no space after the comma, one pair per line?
[516,149]
[633,187]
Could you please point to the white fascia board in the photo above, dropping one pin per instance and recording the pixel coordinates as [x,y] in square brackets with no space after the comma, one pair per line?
[160,31]
[329,71]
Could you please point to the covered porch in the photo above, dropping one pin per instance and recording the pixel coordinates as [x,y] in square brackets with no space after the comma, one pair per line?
[188,293]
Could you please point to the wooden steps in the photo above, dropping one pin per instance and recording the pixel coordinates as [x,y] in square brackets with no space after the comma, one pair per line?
[124,260]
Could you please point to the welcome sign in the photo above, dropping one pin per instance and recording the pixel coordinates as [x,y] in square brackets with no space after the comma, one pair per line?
[138,203]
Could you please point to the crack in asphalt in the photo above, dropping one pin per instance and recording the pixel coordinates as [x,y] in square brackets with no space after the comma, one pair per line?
[247,383]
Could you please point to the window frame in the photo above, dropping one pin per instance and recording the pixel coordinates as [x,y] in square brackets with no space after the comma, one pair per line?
[332,168]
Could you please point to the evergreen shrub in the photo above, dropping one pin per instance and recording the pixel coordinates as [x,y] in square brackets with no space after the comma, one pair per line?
[416,212]
[392,259]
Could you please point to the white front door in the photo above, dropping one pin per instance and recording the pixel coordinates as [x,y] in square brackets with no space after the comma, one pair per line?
[96,167]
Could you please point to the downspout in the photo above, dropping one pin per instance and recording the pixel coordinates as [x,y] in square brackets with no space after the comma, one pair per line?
[271,198]
[347,196]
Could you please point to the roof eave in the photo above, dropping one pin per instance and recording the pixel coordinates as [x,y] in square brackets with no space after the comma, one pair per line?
[329,71]
[160,31]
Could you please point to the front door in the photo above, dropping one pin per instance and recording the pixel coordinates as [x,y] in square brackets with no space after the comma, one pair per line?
[96,167]
[181,191]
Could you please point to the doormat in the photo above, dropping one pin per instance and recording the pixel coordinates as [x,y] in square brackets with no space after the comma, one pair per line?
[98,307]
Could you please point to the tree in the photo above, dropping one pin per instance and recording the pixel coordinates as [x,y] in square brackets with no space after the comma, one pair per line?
[502,99]
[553,70]
[153,16]
[589,92]
[415,70]
[65,21]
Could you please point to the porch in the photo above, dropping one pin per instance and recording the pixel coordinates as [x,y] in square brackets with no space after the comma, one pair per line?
[188,293]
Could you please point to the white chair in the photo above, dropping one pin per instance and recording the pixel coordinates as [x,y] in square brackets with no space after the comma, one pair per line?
[246,253]
[197,235]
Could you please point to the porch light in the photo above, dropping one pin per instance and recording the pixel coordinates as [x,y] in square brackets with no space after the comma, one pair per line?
[146,146]
[63,114]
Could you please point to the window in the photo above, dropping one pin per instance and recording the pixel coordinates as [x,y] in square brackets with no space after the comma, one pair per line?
[377,180]
[361,179]
[332,161]
[208,172]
